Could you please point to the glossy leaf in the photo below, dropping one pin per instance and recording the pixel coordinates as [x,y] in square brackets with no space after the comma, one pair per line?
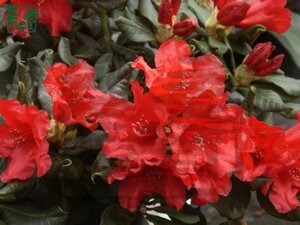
[27,214]
[234,205]
[289,85]
[268,100]
[147,9]
[64,51]
[135,31]
[116,215]
[15,190]
[103,65]
[112,4]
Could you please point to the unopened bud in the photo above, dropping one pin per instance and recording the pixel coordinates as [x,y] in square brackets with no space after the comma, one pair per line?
[185,28]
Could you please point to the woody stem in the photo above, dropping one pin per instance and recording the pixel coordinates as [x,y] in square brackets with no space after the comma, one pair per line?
[105,29]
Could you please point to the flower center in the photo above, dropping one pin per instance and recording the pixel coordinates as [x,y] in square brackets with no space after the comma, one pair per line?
[153,173]
[141,127]
[295,172]
[184,83]
[17,136]
[200,142]
[258,156]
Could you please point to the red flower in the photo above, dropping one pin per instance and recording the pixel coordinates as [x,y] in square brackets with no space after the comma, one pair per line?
[133,128]
[269,151]
[185,28]
[206,143]
[284,187]
[55,14]
[258,62]
[150,180]
[284,183]
[263,12]
[75,100]
[178,77]
[168,9]
[23,141]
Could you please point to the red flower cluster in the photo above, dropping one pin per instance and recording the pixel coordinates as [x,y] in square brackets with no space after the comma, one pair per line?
[182,135]
[55,14]
[178,135]
[167,15]
[23,141]
[253,12]
[74,94]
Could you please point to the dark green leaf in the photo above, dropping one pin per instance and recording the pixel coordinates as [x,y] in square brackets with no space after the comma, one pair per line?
[148,10]
[291,39]
[234,205]
[103,65]
[201,13]
[15,190]
[289,85]
[36,69]
[107,81]
[6,61]
[112,4]
[72,168]
[220,47]
[115,215]
[11,48]
[268,100]
[137,32]
[26,214]
[64,51]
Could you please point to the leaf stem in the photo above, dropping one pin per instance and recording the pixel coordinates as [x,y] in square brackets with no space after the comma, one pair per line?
[105,28]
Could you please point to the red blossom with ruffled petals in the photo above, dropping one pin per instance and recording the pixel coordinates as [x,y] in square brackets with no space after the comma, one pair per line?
[23,141]
[178,77]
[269,151]
[162,180]
[75,99]
[284,183]
[133,128]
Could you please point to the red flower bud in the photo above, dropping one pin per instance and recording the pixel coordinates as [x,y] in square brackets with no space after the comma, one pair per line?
[185,28]
[168,9]
[232,13]
[258,62]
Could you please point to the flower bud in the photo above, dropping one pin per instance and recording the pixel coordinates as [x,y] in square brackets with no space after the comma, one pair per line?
[258,62]
[185,28]
[168,9]
[232,13]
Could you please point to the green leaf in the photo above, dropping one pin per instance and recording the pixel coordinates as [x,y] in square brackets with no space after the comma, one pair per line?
[115,215]
[103,65]
[64,51]
[37,70]
[6,61]
[135,31]
[291,39]
[234,205]
[201,13]
[112,4]
[27,214]
[107,81]
[185,217]
[147,9]
[268,100]
[24,76]
[220,47]
[15,190]
[289,85]
[72,168]
[11,48]
[269,208]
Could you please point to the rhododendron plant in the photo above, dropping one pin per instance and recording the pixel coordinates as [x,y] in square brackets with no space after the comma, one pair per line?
[149,112]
